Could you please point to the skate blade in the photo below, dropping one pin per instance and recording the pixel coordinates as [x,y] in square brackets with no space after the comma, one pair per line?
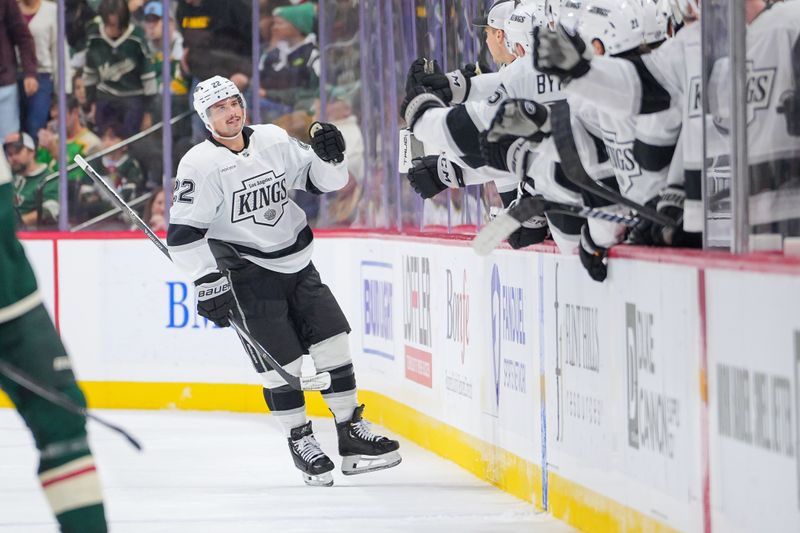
[321,480]
[361,464]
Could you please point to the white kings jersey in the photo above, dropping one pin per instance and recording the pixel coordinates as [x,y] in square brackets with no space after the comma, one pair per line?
[239,202]
[454,131]
[772,49]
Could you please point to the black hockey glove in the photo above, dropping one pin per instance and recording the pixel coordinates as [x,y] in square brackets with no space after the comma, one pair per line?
[417,101]
[594,258]
[533,231]
[508,153]
[453,87]
[790,107]
[419,70]
[520,118]
[432,174]
[670,203]
[560,54]
[214,298]
[327,141]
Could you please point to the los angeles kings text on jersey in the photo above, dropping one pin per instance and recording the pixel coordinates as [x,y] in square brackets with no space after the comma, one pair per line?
[261,198]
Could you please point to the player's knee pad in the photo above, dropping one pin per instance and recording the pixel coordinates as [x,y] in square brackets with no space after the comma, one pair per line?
[343,379]
[331,353]
[273,380]
[284,399]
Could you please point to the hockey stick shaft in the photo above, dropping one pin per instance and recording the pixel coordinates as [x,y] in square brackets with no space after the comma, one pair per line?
[266,358]
[60,399]
[574,171]
[499,229]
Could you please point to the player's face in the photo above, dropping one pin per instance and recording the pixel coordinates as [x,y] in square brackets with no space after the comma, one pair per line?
[227,116]
[495,41]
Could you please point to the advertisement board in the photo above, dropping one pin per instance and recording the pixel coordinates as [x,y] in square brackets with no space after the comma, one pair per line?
[754,401]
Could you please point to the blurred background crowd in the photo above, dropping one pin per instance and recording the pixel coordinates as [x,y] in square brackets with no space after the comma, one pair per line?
[114,88]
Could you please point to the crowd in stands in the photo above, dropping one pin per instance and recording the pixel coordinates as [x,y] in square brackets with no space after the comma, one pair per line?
[114,87]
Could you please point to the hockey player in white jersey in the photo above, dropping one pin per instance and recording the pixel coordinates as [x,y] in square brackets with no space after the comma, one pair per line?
[652,83]
[455,131]
[235,231]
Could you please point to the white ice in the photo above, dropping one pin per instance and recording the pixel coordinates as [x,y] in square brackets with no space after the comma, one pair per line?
[226,472]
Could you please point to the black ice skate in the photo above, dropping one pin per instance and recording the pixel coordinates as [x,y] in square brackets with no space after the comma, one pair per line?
[363,451]
[309,457]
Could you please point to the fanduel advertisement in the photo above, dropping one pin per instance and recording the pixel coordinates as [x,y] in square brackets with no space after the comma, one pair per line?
[507,301]
[377,334]
[417,331]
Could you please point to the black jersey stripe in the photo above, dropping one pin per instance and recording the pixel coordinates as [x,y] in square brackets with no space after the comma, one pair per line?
[304,239]
[651,157]
[464,133]
[181,234]
[655,98]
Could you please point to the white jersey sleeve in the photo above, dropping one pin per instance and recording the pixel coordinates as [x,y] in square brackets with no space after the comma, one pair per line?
[482,86]
[305,169]
[650,83]
[196,200]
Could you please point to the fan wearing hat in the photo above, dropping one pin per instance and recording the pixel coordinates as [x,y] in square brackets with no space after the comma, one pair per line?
[28,174]
[290,70]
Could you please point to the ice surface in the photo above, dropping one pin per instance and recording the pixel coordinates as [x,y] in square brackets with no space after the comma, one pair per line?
[230,472]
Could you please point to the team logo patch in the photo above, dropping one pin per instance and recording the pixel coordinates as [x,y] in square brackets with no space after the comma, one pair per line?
[262,198]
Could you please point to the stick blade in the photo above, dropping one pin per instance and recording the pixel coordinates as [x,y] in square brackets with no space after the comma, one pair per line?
[494,233]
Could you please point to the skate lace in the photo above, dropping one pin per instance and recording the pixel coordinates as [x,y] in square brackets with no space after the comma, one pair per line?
[308,448]
[362,430]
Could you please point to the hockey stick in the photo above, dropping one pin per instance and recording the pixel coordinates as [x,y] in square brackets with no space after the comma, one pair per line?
[60,399]
[499,229]
[319,381]
[573,168]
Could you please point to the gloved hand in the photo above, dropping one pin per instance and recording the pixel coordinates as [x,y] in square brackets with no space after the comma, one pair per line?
[520,118]
[594,258]
[327,141]
[560,54]
[416,102]
[214,298]
[453,87]
[432,174]
[533,231]
[419,70]
[508,153]
[790,106]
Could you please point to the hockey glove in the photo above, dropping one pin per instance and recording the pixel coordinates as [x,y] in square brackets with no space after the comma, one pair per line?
[594,258]
[419,70]
[520,118]
[432,174]
[327,141]
[670,202]
[214,298]
[417,101]
[560,54]
[508,153]
[790,106]
[533,231]
[453,87]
